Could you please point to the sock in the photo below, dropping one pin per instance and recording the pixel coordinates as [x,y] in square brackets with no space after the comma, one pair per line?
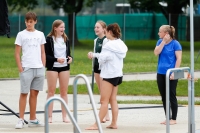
[33,120]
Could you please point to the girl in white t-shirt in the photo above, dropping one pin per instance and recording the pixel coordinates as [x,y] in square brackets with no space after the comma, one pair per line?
[58,58]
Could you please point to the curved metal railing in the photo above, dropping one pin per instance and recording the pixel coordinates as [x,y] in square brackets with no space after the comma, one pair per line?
[74,119]
[179,73]
[91,99]
[66,107]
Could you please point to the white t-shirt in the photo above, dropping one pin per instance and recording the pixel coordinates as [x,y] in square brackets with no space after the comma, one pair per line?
[31,47]
[59,51]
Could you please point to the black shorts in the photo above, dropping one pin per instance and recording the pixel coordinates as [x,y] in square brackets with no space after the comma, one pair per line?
[96,69]
[59,69]
[114,81]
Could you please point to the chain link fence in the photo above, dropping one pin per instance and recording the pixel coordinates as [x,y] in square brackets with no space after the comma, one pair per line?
[143,26]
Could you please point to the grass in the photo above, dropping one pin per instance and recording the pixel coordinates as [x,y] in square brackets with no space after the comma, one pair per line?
[144,88]
[137,88]
[140,57]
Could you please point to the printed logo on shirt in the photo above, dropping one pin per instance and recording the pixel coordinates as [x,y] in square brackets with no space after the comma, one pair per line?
[32,42]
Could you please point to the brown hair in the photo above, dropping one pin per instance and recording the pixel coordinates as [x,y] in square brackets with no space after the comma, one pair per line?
[115,29]
[170,30]
[30,15]
[103,24]
[57,23]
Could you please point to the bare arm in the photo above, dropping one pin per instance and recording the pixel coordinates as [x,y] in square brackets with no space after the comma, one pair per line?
[178,62]
[43,56]
[178,58]
[159,48]
[17,57]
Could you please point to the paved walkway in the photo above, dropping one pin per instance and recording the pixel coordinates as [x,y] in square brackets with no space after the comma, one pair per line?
[136,76]
[133,118]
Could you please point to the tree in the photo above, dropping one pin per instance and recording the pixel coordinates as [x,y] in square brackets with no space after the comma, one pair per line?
[69,7]
[19,4]
[173,7]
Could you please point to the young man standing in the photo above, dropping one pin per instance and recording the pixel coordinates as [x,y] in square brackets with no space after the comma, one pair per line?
[31,67]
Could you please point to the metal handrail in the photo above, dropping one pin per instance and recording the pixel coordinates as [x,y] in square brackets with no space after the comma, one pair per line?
[66,107]
[91,99]
[191,124]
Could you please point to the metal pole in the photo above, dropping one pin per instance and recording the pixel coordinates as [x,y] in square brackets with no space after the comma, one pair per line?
[170,19]
[10,110]
[123,6]
[46,117]
[192,125]
[124,26]
[73,34]
[75,103]
[189,105]
[43,7]
[167,102]
[93,60]
[19,22]
[198,56]
[124,21]
[95,10]
[176,76]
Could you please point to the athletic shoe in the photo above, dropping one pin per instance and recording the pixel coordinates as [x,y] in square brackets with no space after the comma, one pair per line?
[20,124]
[35,123]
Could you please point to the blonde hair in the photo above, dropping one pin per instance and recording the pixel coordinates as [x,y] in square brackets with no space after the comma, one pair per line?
[103,24]
[57,23]
[169,29]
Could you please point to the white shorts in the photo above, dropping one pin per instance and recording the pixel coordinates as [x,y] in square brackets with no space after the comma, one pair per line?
[32,78]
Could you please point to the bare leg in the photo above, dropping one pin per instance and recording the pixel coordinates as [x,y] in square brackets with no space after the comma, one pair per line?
[171,122]
[51,82]
[22,105]
[93,127]
[33,103]
[99,80]
[63,81]
[163,122]
[105,96]
[115,110]
[107,117]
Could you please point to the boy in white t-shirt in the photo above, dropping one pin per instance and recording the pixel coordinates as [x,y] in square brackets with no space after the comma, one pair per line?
[31,67]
